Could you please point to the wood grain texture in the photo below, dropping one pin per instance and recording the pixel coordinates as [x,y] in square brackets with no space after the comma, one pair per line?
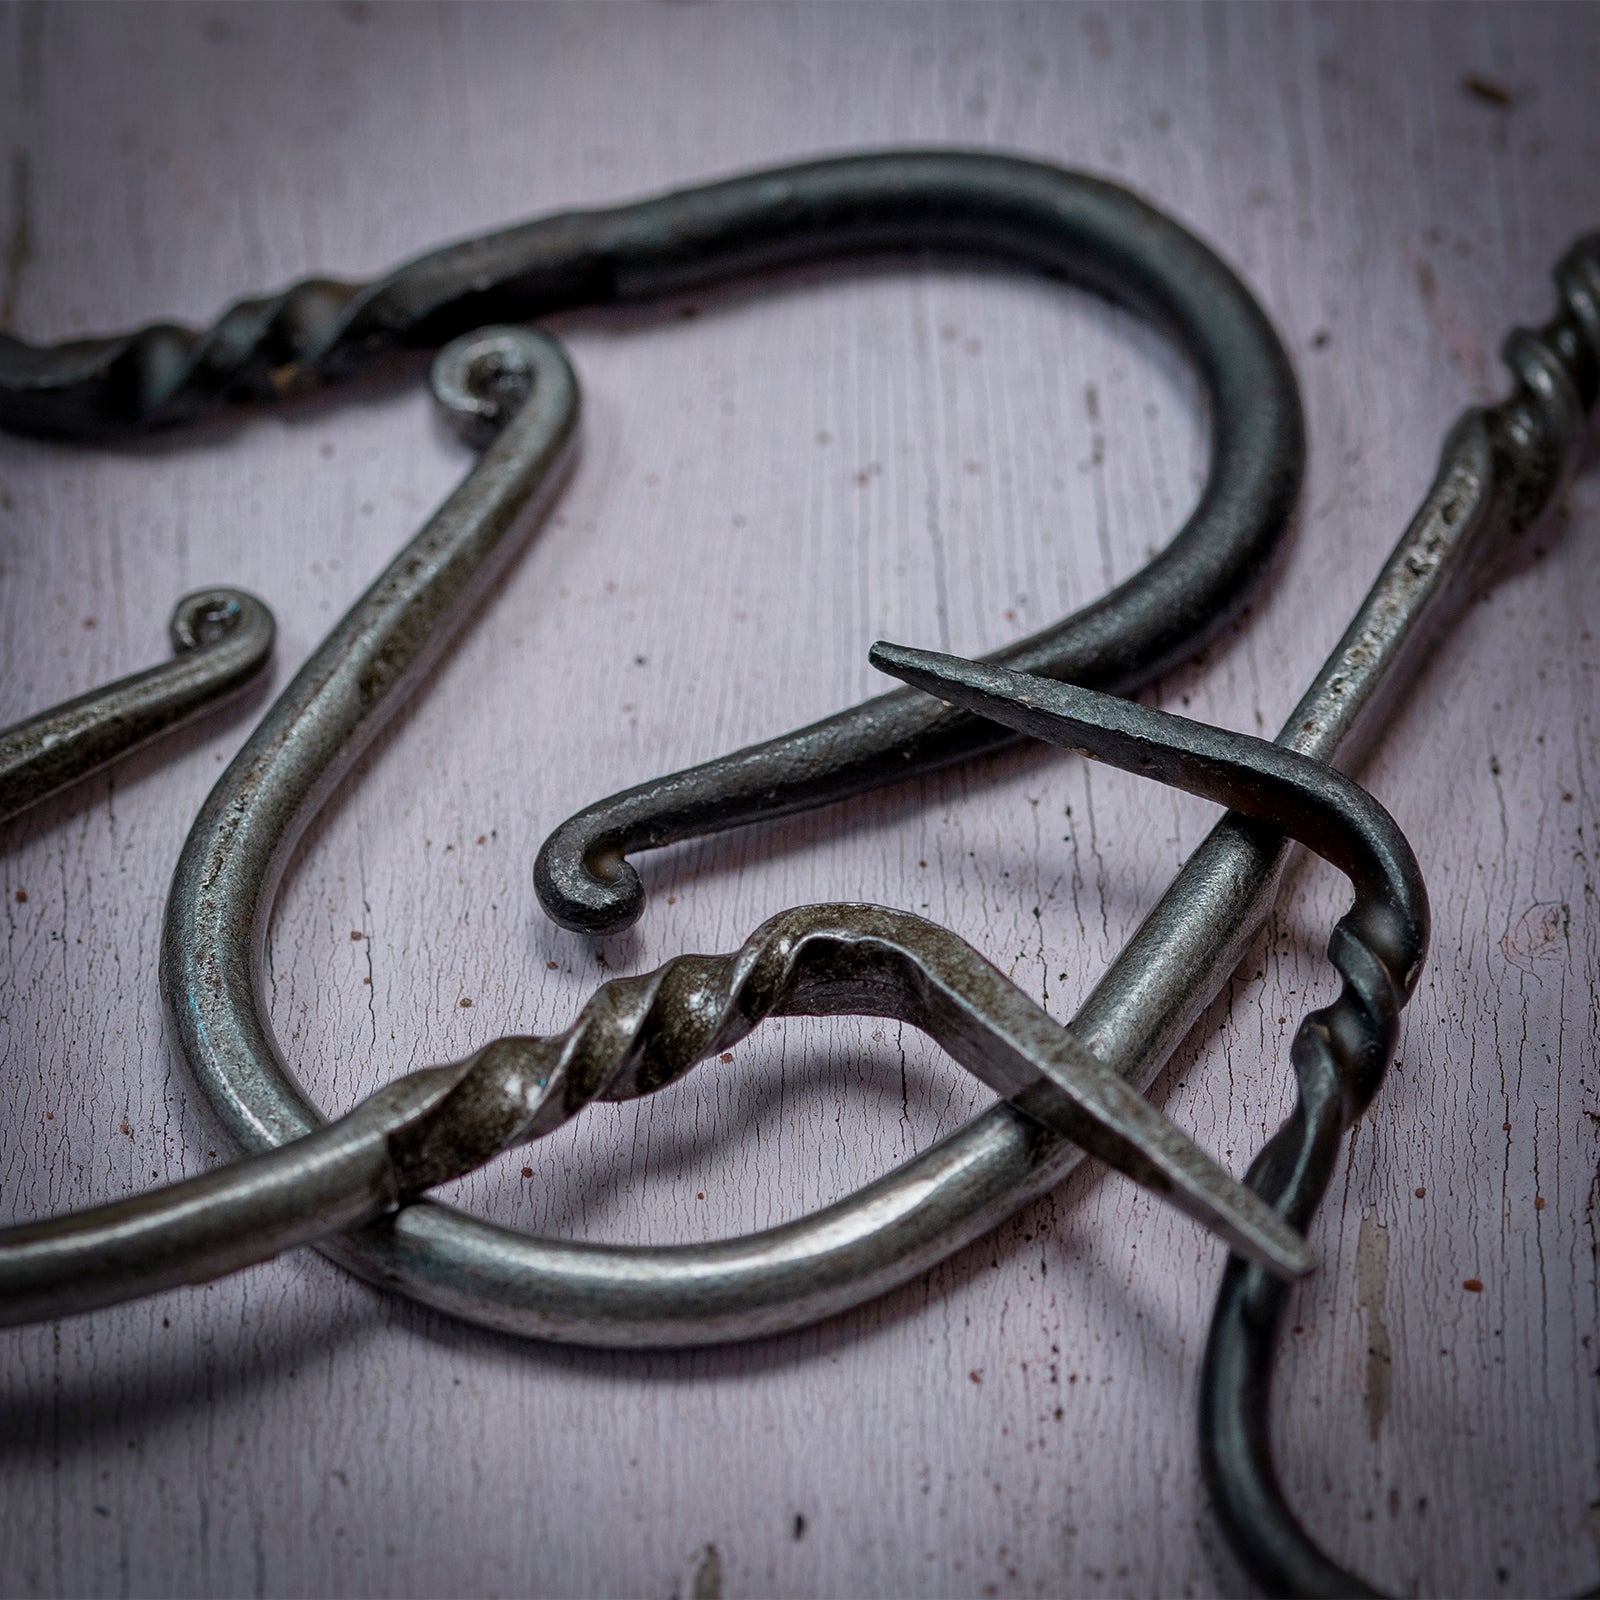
[938,457]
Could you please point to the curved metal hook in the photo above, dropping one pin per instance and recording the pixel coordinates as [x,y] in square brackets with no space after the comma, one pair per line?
[1064,224]
[970,203]
[946,1196]
[222,641]
[226,877]
[635,1036]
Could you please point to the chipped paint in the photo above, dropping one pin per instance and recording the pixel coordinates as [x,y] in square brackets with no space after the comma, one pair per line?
[1372,1286]
[708,1576]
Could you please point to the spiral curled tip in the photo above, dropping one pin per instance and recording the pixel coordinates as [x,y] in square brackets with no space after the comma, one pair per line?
[222,641]
[481,379]
[584,881]
[208,616]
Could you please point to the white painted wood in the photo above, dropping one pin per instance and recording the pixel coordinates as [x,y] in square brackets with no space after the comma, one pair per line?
[766,488]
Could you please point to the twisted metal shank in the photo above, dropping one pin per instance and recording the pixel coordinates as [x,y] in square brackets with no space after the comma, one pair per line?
[635,1036]
[1500,468]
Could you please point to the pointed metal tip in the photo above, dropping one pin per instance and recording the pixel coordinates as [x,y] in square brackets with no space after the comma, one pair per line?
[972,684]
[1158,1155]
[1283,1252]
[1058,713]
[901,660]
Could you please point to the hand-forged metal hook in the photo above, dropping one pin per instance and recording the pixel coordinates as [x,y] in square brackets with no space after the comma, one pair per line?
[1499,469]
[222,641]
[1340,1052]
[1039,216]
[969,203]
[637,1035]
[223,888]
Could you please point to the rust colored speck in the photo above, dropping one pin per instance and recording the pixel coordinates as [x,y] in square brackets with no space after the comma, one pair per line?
[1538,1202]
[355,934]
[22,897]
[1422,1194]
[465,1001]
[727,1056]
[527,1172]
[1472,1285]
[975,1375]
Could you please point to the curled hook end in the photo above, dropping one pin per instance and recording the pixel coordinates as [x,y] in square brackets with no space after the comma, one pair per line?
[585,883]
[209,616]
[483,378]
[222,641]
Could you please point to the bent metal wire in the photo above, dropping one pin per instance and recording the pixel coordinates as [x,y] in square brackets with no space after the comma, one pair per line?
[1500,468]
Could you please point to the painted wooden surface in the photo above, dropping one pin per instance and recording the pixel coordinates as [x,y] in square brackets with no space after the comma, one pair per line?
[933,456]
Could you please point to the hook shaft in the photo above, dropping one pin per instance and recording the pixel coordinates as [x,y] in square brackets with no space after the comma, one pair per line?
[222,639]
